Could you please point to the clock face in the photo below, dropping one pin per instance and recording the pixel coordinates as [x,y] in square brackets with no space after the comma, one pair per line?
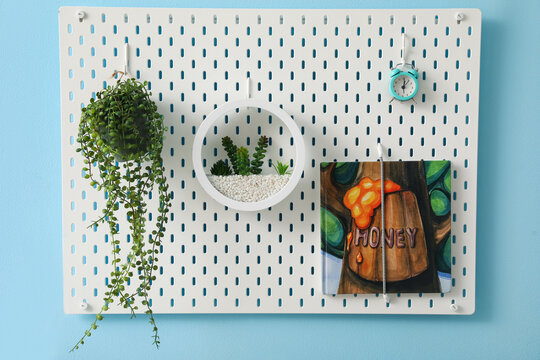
[404,86]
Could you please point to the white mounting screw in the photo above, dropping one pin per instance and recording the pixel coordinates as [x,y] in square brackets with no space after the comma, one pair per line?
[81,15]
[83,305]
[460,17]
[454,307]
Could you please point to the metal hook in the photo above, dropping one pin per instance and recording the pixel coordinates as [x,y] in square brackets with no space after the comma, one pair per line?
[126,59]
[248,88]
[403,48]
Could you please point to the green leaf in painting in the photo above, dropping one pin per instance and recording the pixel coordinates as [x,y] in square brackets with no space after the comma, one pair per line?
[439,202]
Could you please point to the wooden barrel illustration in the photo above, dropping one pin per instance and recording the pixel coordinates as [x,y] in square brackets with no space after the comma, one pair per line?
[404,237]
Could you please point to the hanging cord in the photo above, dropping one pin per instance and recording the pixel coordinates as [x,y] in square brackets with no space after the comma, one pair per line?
[383,232]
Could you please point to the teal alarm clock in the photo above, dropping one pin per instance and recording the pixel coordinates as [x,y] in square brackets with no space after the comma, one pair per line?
[403,83]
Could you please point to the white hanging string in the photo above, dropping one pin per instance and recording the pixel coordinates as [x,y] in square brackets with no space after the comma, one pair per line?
[383,232]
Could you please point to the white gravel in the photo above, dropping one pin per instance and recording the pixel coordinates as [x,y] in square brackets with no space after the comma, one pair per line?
[249,188]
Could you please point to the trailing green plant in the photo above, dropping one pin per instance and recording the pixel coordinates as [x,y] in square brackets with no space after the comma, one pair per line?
[281,168]
[230,149]
[221,168]
[121,138]
[242,161]
[258,156]
[239,157]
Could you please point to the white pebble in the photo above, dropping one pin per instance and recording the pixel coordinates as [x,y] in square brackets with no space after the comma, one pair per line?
[249,188]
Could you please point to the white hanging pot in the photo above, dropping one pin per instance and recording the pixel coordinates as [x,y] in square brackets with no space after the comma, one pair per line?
[299,160]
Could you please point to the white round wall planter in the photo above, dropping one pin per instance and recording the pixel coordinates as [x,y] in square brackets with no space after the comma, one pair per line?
[298,161]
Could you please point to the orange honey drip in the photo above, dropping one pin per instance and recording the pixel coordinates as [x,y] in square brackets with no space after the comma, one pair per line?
[365,197]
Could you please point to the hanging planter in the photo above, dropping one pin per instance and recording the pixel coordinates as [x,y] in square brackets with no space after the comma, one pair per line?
[121,138]
[238,182]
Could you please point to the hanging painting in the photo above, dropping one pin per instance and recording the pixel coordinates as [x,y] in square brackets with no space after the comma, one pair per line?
[416,235]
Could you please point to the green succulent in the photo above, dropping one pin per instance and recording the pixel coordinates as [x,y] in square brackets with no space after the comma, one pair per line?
[239,157]
[221,168]
[281,168]
[230,149]
[258,156]
[121,138]
[242,161]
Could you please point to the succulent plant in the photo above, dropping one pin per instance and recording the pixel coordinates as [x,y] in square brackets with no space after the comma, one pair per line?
[121,139]
[221,168]
[239,157]
[230,149]
[242,161]
[281,168]
[258,156]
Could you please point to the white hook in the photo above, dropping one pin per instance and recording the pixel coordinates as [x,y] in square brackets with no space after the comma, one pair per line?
[460,17]
[403,48]
[126,59]
[83,305]
[454,307]
[248,88]
[379,150]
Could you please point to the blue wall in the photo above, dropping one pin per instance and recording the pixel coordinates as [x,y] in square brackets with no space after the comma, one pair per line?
[506,324]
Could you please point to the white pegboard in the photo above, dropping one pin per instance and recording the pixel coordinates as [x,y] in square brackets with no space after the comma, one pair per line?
[329,70]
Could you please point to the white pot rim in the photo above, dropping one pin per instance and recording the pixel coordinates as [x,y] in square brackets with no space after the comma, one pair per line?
[299,154]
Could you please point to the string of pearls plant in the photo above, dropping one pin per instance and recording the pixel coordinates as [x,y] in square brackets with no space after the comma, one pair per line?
[121,138]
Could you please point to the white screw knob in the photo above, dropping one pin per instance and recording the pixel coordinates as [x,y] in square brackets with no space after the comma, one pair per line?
[460,17]
[83,305]
[80,15]
[454,307]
